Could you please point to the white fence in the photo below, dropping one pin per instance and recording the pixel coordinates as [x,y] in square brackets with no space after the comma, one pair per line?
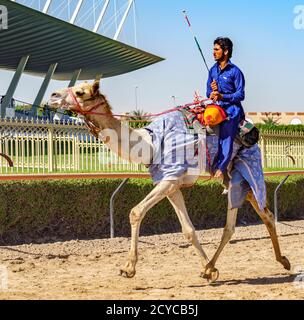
[42,147]
[276,145]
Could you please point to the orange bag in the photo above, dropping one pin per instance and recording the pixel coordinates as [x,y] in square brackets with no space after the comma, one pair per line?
[213,115]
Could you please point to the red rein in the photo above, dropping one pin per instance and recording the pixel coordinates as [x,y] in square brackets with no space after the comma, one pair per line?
[79,110]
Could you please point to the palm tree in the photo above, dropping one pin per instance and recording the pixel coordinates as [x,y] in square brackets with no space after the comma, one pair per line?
[270,121]
[139,118]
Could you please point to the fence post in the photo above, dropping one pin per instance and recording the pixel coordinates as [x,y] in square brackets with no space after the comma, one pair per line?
[263,151]
[50,149]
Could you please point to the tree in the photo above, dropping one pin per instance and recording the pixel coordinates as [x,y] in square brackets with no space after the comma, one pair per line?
[139,118]
[270,121]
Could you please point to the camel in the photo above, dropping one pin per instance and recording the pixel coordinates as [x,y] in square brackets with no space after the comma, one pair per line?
[86,99]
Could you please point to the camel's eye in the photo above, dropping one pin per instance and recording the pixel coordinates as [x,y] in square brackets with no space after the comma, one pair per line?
[79,93]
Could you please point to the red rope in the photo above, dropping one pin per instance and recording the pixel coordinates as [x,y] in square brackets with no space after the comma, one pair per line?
[151,115]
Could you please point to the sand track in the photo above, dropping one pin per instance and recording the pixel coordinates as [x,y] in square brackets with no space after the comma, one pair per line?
[167,268]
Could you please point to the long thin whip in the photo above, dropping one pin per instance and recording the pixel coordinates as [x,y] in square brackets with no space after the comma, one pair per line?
[195,39]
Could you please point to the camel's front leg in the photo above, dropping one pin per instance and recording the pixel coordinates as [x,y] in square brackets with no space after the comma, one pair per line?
[269,220]
[178,203]
[137,214]
[211,272]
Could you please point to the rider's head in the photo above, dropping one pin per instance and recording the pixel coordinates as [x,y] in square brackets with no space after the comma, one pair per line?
[223,48]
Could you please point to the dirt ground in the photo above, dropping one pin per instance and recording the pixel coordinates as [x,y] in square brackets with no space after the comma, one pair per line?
[168,268]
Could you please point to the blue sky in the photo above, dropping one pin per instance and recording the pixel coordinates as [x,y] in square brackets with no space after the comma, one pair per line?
[268,49]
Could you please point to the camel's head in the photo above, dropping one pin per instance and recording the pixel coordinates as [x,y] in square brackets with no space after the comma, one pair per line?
[81,98]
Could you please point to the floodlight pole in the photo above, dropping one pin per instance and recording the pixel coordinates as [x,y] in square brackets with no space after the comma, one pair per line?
[123,20]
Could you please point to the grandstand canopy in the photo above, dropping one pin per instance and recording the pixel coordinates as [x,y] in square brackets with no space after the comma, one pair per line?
[49,40]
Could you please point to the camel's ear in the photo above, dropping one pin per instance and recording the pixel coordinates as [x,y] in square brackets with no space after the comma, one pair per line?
[95,88]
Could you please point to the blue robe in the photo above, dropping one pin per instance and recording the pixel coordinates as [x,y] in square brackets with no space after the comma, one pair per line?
[231,84]
[176,153]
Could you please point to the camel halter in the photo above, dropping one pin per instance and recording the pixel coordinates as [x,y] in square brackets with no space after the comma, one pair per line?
[78,106]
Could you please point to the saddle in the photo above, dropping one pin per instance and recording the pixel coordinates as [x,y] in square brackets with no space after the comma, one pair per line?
[210,118]
[249,134]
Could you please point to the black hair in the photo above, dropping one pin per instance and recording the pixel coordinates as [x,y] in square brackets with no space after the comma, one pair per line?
[225,44]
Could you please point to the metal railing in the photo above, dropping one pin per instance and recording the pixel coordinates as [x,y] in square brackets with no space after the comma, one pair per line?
[273,147]
[40,146]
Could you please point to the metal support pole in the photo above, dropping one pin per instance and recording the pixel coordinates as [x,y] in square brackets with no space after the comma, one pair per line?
[75,77]
[45,84]
[135,25]
[12,87]
[276,213]
[103,11]
[74,16]
[50,149]
[46,6]
[123,20]
[112,206]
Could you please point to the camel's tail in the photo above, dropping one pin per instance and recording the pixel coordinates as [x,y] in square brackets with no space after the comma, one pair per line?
[8,159]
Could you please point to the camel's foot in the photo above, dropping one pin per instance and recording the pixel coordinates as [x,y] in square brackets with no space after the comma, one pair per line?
[128,271]
[285,262]
[211,274]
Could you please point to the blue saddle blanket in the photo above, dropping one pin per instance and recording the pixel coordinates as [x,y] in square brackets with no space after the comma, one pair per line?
[179,151]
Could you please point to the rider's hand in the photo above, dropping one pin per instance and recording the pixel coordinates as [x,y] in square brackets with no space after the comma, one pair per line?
[214,86]
[216,96]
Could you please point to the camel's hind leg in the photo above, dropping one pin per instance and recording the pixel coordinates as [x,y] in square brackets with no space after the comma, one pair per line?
[178,203]
[162,190]
[269,220]
[227,235]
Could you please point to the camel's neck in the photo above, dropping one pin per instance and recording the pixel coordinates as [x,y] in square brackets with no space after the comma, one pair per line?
[132,145]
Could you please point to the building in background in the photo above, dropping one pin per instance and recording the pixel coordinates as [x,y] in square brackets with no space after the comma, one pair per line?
[280,118]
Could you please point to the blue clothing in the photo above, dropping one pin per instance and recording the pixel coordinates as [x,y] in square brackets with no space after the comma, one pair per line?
[175,154]
[247,174]
[231,84]
[175,148]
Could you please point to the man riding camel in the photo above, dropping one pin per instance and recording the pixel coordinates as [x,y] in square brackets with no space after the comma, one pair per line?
[226,86]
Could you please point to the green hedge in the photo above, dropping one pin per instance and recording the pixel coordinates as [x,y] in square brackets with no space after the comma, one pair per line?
[280,128]
[62,210]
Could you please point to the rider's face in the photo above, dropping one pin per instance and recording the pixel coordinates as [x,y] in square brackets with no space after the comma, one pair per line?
[218,53]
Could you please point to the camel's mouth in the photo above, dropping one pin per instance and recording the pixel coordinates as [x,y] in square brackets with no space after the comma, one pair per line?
[58,103]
